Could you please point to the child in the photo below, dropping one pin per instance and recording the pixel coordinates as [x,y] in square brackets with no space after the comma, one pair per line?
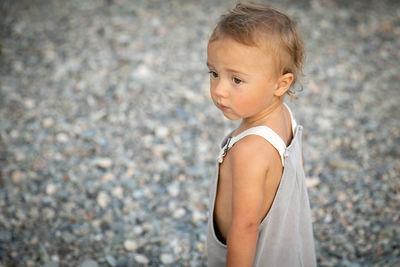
[259,212]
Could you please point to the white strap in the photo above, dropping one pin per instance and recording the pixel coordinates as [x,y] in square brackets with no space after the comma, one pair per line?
[294,124]
[263,131]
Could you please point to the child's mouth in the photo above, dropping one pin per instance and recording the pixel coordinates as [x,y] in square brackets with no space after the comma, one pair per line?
[222,107]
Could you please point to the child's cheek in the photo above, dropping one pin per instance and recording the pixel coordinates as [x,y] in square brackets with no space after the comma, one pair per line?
[246,103]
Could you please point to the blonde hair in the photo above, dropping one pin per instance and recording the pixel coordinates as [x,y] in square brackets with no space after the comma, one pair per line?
[265,26]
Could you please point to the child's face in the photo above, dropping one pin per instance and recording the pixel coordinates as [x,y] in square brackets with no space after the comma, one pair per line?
[243,79]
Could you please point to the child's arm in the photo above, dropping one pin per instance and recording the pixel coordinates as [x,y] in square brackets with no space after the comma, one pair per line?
[249,161]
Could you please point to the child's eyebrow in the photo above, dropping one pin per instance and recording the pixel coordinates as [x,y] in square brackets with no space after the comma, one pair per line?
[229,70]
[236,71]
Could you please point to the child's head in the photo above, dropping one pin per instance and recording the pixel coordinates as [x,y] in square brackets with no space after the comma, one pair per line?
[267,28]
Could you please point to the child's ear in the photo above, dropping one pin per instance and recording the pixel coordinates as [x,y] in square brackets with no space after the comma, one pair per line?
[283,84]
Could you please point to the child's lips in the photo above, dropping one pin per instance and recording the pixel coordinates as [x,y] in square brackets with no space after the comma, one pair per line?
[222,107]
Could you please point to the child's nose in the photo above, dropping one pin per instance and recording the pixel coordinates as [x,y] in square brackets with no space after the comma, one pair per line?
[221,89]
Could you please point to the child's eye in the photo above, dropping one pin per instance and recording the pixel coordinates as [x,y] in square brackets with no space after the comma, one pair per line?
[213,73]
[237,80]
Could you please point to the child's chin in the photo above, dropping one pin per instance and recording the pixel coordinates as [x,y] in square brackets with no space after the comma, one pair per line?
[231,116]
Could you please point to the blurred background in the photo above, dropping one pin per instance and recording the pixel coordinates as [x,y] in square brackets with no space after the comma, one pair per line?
[108,136]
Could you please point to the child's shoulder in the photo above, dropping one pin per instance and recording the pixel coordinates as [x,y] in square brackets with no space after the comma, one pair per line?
[254,150]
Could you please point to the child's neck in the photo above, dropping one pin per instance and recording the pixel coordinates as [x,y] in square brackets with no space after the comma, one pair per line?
[263,117]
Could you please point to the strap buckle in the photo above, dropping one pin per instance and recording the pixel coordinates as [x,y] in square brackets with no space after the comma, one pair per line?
[226,148]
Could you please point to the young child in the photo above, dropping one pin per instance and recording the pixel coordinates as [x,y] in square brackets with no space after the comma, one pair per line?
[259,210]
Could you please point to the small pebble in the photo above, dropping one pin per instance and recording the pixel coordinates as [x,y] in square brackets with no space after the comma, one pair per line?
[51,189]
[179,213]
[142,259]
[103,199]
[142,72]
[5,236]
[341,196]
[108,177]
[312,182]
[16,177]
[19,155]
[48,122]
[51,264]
[29,103]
[111,260]
[89,263]
[162,132]
[198,216]
[173,189]
[130,245]
[104,163]
[166,258]
[48,213]
[62,137]
[118,192]
[137,230]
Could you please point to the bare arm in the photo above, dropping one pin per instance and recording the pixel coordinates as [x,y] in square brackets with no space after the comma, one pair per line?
[249,166]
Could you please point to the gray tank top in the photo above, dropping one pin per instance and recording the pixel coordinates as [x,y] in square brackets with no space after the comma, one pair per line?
[285,235]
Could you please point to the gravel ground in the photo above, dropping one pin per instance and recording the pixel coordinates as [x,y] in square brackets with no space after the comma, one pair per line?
[108,137]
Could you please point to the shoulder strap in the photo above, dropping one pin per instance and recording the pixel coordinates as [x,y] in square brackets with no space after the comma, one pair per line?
[263,131]
[294,124]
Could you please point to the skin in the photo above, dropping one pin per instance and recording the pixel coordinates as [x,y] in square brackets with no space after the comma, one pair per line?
[245,85]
